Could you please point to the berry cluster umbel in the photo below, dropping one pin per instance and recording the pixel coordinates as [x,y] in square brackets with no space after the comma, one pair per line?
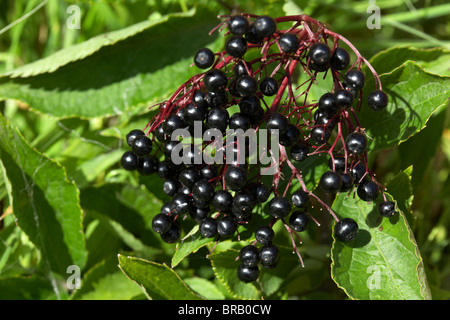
[220,197]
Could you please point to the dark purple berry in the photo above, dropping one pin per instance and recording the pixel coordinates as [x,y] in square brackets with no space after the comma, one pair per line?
[346,229]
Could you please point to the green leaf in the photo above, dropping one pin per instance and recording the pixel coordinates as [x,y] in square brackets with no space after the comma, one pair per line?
[383,262]
[434,60]
[26,288]
[191,243]
[105,281]
[205,288]
[413,97]
[116,71]
[44,202]
[158,280]
[225,266]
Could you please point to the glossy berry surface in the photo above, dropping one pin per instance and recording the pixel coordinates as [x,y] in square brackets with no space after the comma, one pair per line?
[129,161]
[277,121]
[327,103]
[299,152]
[264,26]
[161,223]
[133,134]
[299,221]
[239,121]
[268,86]
[320,134]
[243,204]
[264,235]
[319,55]
[330,182]
[249,256]
[260,192]
[343,98]
[215,80]
[377,100]
[222,200]
[236,46]
[208,227]
[355,79]
[269,255]
[279,207]
[226,227]
[173,234]
[217,118]
[235,178]
[368,190]
[204,58]
[346,229]
[142,145]
[386,208]
[238,25]
[347,182]
[337,163]
[203,190]
[300,198]
[170,187]
[246,85]
[340,59]
[247,274]
[356,143]
[288,43]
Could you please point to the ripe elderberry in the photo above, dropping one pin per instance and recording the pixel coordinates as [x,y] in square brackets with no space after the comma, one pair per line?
[261,93]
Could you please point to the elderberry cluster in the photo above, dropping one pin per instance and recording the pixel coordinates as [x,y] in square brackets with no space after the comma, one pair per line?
[222,195]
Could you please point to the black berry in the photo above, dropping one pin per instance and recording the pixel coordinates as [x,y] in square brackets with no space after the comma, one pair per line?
[386,208]
[235,178]
[246,85]
[204,58]
[249,256]
[346,229]
[288,43]
[279,207]
[129,161]
[355,79]
[247,274]
[161,223]
[226,226]
[215,80]
[356,143]
[142,145]
[377,100]
[236,46]
[368,190]
[300,198]
[340,59]
[268,86]
[208,227]
[238,25]
[133,134]
[319,55]
[299,221]
[330,182]
[269,255]
[264,26]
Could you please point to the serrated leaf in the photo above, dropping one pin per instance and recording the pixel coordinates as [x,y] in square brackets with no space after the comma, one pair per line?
[383,262]
[113,72]
[225,266]
[432,60]
[44,202]
[105,281]
[191,243]
[158,280]
[413,97]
